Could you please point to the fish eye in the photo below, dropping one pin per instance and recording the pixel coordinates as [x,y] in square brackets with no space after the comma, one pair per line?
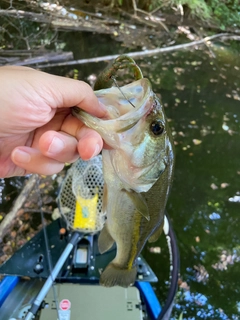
[157,127]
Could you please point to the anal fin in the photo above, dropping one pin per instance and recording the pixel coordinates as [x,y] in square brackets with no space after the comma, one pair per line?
[156,234]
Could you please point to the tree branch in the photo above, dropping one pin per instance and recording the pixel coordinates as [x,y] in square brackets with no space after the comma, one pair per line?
[142,53]
[9,218]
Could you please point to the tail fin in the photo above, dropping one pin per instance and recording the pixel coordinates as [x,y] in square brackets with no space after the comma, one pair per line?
[115,276]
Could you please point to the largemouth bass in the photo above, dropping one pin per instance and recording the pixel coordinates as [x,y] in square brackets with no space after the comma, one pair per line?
[137,174]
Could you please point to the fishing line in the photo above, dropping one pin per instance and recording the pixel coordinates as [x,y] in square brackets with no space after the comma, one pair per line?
[49,259]
[116,84]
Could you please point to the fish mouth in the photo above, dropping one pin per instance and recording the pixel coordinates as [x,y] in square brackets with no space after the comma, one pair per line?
[129,101]
[121,115]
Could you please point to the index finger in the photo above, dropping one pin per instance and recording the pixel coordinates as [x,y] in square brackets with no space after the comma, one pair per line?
[77,93]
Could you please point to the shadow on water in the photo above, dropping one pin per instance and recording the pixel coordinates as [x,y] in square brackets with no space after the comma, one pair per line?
[202,99]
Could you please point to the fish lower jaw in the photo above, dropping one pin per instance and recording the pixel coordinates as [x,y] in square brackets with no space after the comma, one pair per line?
[113,275]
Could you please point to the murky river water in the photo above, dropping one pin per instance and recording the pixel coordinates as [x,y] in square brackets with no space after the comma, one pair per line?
[202,99]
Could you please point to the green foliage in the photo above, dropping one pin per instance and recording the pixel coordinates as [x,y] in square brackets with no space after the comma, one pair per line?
[197,8]
[225,13]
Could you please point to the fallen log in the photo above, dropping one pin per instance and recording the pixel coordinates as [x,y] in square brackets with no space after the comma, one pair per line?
[43,58]
[9,218]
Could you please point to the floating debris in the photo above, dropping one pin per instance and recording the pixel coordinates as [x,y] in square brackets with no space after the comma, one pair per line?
[197,239]
[214,186]
[226,258]
[201,274]
[197,142]
[224,185]
[155,249]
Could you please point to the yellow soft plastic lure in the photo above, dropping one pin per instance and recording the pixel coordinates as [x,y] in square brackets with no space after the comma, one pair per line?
[85,213]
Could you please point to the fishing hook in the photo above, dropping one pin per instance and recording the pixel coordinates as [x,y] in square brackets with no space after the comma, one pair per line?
[116,84]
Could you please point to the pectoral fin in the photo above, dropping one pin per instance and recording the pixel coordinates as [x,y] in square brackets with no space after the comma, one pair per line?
[154,237]
[105,240]
[140,203]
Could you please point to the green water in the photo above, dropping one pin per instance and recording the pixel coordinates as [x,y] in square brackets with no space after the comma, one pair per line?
[202,99]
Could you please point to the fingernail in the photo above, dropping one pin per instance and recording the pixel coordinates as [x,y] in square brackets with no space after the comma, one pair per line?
[97,150]
[56,146]
[21,156]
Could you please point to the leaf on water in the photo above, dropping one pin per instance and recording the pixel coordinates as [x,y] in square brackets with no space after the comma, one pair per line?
[236,97]
[196,63]
[184,285]
[180,86]
[197,142]
[155,249]
[187,147]
[178,70]
[181,134]
[224,185]
[222,76]
[193,249]
[213,186]
[231,132]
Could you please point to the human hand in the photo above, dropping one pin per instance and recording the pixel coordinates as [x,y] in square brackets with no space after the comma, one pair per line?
[38,134]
